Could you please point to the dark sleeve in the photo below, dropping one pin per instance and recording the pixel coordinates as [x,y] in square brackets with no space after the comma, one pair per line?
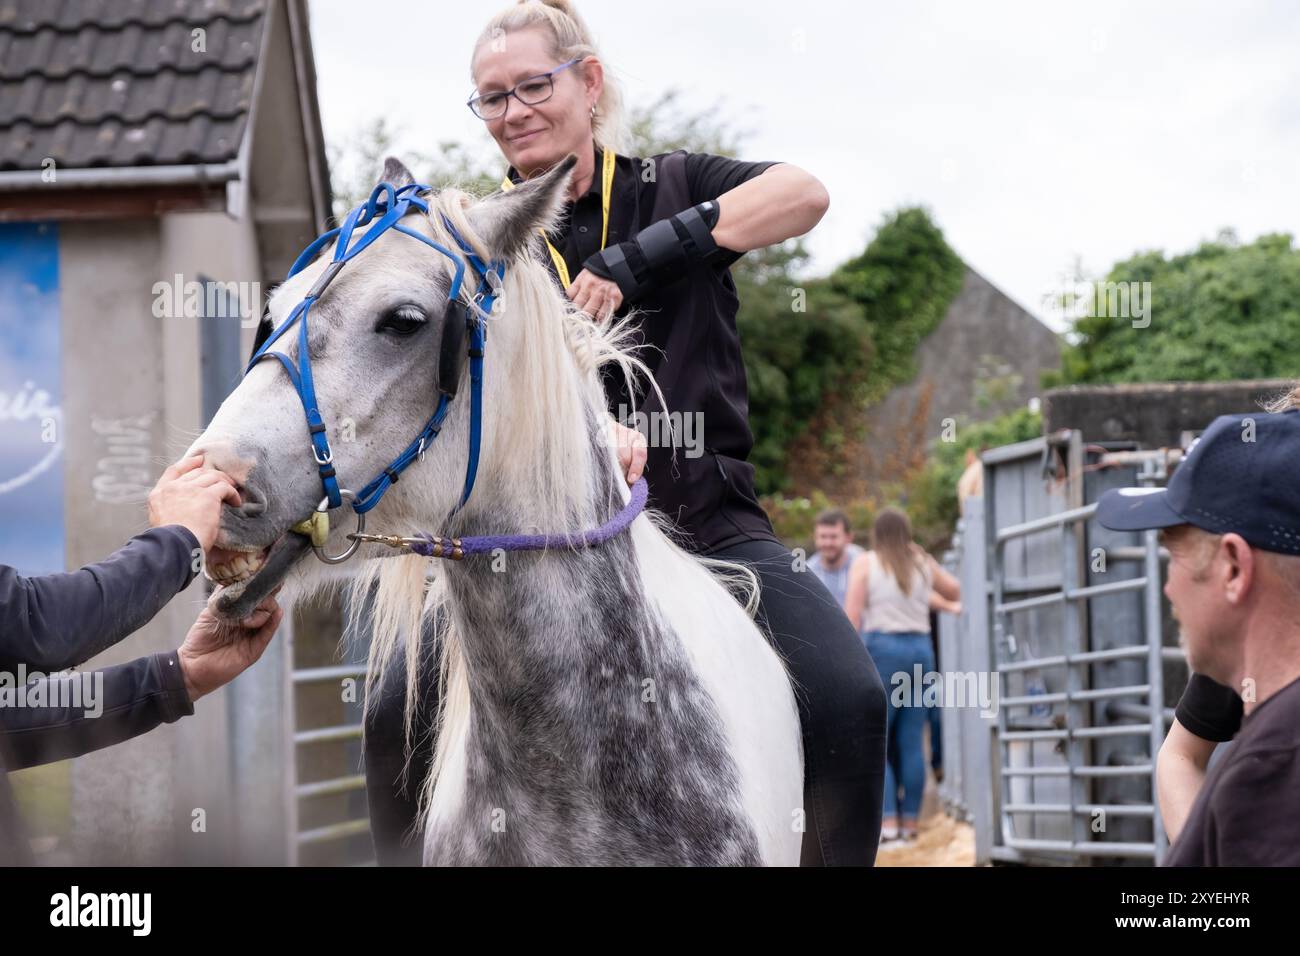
[709,176]
[1209,710]
[56,621]
[58,717]
[1252,813]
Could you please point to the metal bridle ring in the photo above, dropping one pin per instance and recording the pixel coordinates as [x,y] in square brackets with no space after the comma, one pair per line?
[361,526]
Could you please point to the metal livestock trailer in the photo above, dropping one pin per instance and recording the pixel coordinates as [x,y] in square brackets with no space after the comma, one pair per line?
[1067,622]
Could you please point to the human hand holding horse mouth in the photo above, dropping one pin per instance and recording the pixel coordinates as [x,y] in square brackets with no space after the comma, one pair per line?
[192,496]
[599,298]
[215,651]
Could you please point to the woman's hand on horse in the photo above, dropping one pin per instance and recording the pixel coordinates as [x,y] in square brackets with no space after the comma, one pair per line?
[632,450]
[597,297]
[191,496]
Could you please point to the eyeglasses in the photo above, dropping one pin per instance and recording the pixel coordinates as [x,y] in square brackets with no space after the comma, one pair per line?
[530,92]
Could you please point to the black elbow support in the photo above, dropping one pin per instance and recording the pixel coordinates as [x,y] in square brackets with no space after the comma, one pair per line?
[661,253]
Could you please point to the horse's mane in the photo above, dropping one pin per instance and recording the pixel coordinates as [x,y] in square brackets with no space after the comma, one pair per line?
[400,595]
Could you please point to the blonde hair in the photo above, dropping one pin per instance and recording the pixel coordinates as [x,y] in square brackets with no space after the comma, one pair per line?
[570,39]
[1284,403]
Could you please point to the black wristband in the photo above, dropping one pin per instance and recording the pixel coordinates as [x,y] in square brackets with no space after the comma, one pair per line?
[659,254]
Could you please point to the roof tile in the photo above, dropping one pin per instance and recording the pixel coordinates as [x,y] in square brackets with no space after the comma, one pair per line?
[120,82]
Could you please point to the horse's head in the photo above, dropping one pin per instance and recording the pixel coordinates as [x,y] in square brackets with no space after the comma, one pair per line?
[375,337]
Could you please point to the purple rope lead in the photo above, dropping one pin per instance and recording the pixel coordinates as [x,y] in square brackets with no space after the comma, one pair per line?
[432,546]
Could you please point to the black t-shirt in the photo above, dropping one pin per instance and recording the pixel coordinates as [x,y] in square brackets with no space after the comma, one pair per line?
[693,348]
[1209,710]
[1248,811]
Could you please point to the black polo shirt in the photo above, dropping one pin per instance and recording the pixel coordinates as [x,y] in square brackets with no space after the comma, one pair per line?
[707,488]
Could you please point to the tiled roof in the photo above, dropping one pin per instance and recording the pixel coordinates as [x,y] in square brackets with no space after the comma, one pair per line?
[119,83]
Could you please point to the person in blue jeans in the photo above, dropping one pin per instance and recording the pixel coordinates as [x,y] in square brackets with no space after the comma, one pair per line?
[889,601]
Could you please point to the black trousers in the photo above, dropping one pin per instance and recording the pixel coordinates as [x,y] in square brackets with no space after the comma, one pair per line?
[842,710]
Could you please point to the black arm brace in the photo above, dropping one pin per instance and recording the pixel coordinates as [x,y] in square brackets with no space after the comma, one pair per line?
[660,253]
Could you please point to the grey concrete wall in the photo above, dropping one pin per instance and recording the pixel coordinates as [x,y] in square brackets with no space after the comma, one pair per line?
[985,358]
[124,800]
[132,405]
[1156,414]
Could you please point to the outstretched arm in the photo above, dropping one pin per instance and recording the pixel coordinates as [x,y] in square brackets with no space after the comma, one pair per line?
[56,621]
[739,206]
[66,715]
[780,203]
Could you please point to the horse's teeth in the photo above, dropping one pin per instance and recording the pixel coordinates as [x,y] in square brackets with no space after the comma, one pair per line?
[238,569]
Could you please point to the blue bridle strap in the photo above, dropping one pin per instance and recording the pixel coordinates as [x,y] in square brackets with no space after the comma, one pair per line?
[393,205]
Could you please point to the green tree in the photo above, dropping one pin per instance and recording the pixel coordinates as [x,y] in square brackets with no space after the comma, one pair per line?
[1223,311]
[807,351]
[931,496]
[904,281]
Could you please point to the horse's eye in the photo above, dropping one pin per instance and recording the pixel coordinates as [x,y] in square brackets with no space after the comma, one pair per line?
[402,321]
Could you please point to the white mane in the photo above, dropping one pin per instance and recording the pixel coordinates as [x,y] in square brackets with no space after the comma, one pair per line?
[553,353]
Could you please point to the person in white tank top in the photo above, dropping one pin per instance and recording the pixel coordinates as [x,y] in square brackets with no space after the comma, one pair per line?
[888,608]
[891,590]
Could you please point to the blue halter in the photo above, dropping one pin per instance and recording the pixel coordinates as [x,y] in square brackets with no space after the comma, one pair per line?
[393,205]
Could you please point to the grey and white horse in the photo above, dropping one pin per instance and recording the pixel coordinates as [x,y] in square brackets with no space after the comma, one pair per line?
[611,705]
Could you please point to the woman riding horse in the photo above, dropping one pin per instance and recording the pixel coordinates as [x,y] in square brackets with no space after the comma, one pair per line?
[659,234]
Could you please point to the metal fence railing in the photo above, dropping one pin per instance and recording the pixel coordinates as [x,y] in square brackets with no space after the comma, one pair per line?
[1067,619]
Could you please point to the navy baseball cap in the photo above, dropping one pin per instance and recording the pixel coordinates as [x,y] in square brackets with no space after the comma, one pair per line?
[1241,475]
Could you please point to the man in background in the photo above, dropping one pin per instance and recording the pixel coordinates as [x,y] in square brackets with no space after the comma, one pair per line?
[833,541]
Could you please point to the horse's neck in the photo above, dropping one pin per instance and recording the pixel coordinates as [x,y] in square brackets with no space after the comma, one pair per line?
[544,631]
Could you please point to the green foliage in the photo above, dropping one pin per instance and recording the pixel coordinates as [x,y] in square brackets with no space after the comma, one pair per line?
[855,342]
[793,518]
[1223,311]
[797,362]
[931,497]
[905,281]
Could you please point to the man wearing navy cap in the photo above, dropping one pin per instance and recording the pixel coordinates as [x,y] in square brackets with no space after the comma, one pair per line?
[1230,519]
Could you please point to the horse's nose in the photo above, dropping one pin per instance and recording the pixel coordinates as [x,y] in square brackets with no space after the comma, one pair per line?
[222,456]
[254,500]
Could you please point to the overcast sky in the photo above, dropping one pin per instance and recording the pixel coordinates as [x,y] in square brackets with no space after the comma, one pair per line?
[1037,133]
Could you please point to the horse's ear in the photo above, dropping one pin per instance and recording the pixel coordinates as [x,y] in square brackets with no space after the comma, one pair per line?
[395,172]
[506,221]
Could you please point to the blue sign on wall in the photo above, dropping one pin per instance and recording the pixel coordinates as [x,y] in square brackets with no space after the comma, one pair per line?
[31,423]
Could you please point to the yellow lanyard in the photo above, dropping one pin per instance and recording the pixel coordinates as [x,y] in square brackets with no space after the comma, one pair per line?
[606,180]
